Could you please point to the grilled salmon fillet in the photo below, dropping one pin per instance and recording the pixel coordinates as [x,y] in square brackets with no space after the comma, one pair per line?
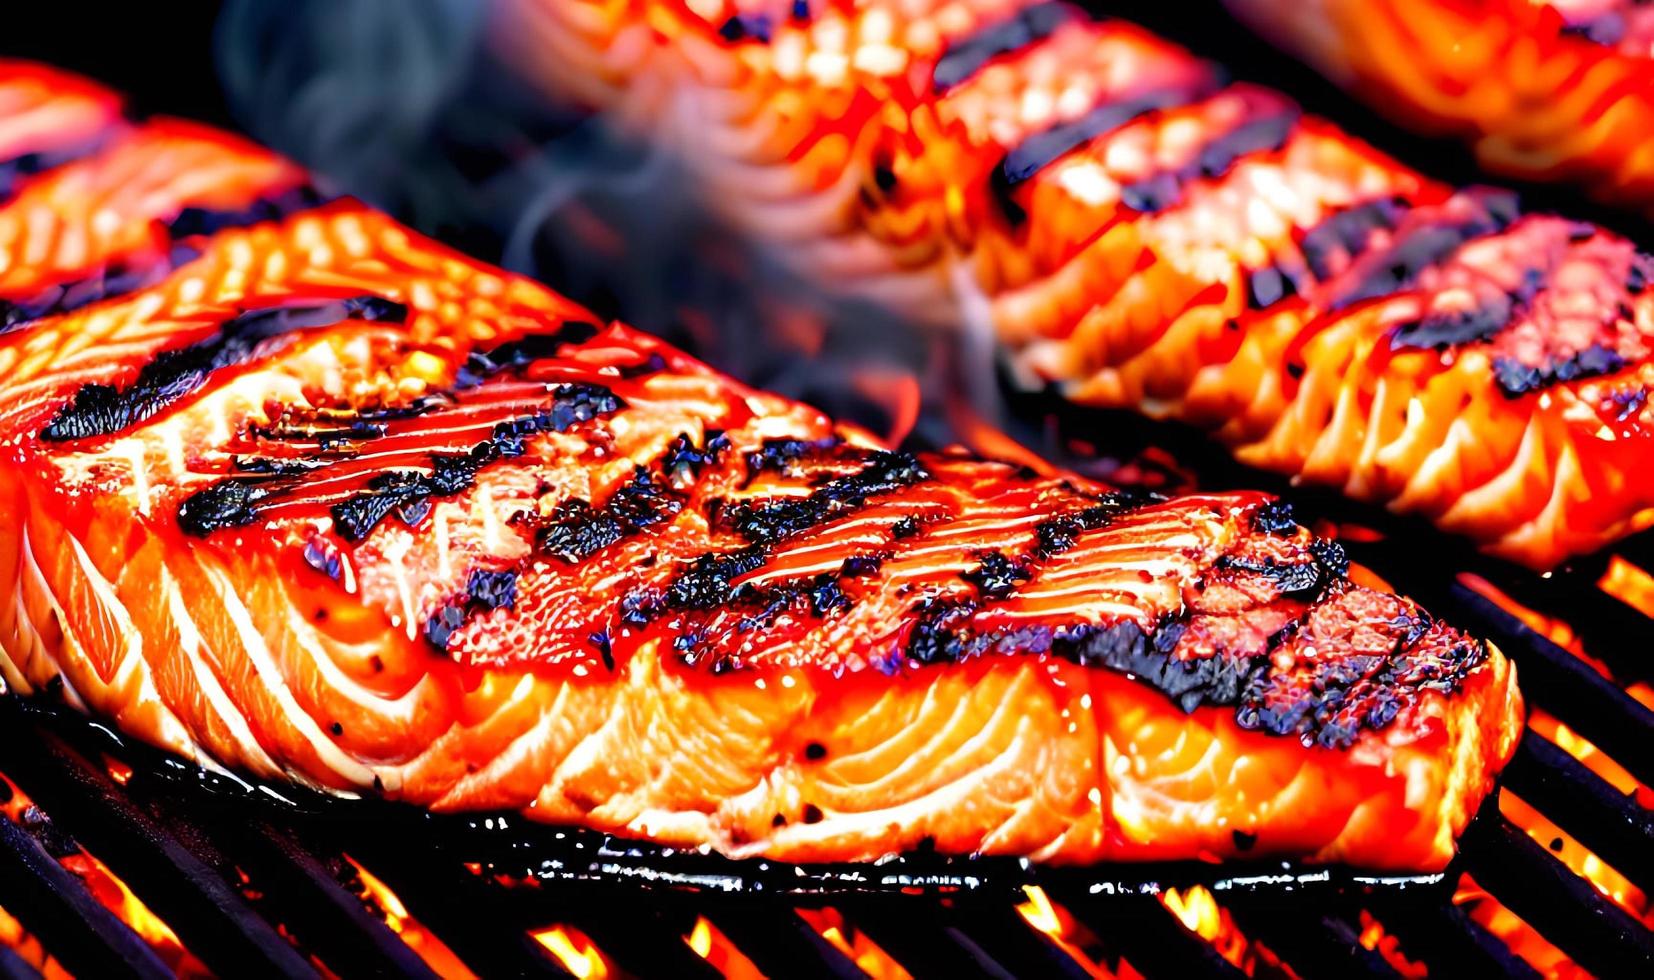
[1556,90]
[330,503]
[1138,233]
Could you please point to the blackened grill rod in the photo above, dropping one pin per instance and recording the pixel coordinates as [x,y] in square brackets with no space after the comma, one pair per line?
[920,940]
[1563,684]
[1614,826]
[1449,941]
[12,967]
[208,916]
[780,943]
[1565,908]
[447,900]
[1009,938]
[53,904]
[1314,943]
[1148,935]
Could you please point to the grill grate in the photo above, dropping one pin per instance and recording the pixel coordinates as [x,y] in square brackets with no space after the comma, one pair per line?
[256,888]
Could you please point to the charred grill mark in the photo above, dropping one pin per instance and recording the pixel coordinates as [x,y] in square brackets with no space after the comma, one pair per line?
[102,410]
[116,278]
[684,461]
[517,354]
[997,576]
[1516,379]
[1044,148]
[1164,190]
[743,27]
[192,221]
[1055,535]
[1440,331]
[970,54]
[1347,232]
[14,170]
[485,591]
[1276,519]
[233,502]
[1147,655]
[335,429]
[573,404]
[120,277]
[1307,580]
[704,585]
[769,521]
[1357,692]
[577,530]
[1428,244]
[784,455]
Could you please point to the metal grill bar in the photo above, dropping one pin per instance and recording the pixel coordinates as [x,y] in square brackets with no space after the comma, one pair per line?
[1602,621]
[1565,908]
[1454,944]
[1563,684]
[447,899]
[781,944]
[1614,826]
[12,967]
[211,919]
[49,900]
[1150,937]
[922,941]
[1007,937]
[1315,943]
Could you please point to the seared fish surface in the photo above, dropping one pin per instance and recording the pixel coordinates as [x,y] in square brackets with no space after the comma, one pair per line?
[325,501]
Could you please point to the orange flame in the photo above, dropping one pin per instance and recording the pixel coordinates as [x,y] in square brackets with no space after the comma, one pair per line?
[852,942]
[422,941]
[1056,922]
[1197,908]
[575,950]
[714,947]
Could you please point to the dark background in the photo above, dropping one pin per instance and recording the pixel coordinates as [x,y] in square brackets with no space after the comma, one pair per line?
[159,54]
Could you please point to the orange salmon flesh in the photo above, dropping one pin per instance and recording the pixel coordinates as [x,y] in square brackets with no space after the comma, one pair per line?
[1136,232]
[291,490]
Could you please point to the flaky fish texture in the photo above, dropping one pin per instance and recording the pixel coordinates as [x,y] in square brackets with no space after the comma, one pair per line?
[316,499]
[1138,233]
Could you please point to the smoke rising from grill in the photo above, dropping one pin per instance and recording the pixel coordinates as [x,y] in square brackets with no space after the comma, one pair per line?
[399,104]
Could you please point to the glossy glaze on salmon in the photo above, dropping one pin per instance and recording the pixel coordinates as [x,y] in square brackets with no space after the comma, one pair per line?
[328,502]
[1139,233]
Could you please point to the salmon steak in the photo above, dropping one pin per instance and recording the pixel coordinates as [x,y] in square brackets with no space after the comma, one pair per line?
[315,499]
[1135,232]
[1545,90]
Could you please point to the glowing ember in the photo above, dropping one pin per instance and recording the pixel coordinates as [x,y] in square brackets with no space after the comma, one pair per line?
[28,949]
[1376,938]
[1515,933]
[575,950]
[1629,584]
[852,942]
[104,885]
[714,947]
[422,941]
[1593,758]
